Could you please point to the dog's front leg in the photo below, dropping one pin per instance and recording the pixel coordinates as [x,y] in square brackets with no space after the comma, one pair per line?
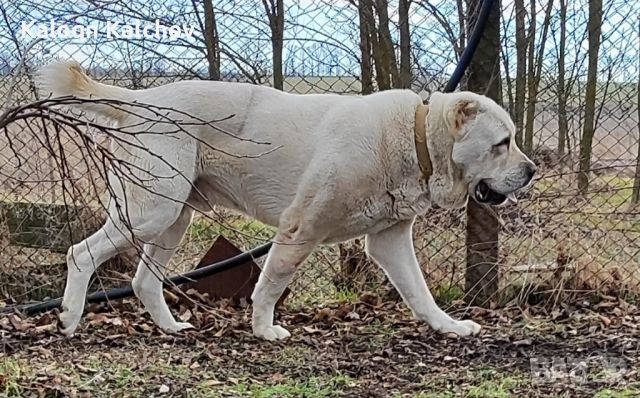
[283,259]
[393,250]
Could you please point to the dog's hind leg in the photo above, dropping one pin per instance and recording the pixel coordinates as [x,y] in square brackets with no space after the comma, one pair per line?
[113,238]
[147,283]
[136,215]
[82,260]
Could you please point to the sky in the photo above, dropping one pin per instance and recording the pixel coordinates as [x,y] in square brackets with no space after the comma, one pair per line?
[321,37]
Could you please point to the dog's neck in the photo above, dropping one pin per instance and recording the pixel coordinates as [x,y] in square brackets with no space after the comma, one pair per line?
[420,133]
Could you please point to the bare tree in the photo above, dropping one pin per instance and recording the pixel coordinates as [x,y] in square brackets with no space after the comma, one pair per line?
[383,51]
[275,13]
[212,43]
[457,40]
[366,26]
[481,274]
[462,37]
[635,195]
[521,73]
[594,26]
[404,80]
[563,127]
[377,48]
[535,70]
[506,64]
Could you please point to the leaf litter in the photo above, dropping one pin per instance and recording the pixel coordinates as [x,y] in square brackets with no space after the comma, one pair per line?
[365,349]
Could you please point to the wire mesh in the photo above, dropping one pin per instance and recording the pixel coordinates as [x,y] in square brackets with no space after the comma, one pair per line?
[565,235]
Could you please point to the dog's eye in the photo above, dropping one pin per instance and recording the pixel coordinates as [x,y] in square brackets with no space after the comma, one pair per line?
[504,143]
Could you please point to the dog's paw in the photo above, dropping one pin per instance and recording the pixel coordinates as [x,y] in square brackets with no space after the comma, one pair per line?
[271,333]
[176,327]
[461,328]
[68,322]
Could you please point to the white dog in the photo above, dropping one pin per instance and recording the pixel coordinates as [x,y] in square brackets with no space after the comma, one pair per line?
[340,167]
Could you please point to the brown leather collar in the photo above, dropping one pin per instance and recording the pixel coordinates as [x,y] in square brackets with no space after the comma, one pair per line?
[420,132]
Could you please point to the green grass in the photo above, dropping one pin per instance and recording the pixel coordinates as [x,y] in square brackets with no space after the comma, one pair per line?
[478,383]
[446,294]
[494,385]
[628,392]
[314,387]
[292,356]
[205,229]
[11,374]
[441,392]
[347,296]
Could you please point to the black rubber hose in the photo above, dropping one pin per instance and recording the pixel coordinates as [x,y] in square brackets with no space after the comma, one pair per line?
[123,292]
[470,49]
[212,269]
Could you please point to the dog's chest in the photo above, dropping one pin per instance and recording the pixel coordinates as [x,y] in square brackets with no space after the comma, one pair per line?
[384,209]
[401,203]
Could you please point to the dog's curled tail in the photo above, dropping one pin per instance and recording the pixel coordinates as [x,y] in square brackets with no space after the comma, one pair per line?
[67,78]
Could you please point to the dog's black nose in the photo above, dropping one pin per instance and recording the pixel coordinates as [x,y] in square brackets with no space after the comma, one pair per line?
[531,171]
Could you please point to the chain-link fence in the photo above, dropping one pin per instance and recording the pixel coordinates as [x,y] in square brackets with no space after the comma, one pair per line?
[574,100]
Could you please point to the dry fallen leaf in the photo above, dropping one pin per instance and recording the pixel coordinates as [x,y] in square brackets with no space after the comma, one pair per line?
[19,324]
[352,316]
[97,319]
[523,342]
[605,320]
[212,383]
[311,330]
[323,314]
[184,317]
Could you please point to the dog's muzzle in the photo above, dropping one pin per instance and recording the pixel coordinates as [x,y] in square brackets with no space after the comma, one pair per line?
[483,193]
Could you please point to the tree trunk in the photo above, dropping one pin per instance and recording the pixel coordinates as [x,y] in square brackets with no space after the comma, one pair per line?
[366,30]
[385,56]
[211,40]
[535,70]
[595,27]
[531,84]
[404,80]
[521,72]
[562,95]
[377,51]
[635,195]
[481,274]
[507,77]
[462,38]
[275,14]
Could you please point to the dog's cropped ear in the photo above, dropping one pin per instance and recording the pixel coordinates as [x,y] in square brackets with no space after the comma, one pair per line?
[460,113]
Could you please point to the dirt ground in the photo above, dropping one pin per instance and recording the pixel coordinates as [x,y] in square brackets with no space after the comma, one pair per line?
[362,348]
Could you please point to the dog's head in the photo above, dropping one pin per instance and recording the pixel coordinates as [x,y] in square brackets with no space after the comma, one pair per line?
[473,151]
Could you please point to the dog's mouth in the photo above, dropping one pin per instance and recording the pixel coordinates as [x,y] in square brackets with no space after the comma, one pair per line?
[484,194]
